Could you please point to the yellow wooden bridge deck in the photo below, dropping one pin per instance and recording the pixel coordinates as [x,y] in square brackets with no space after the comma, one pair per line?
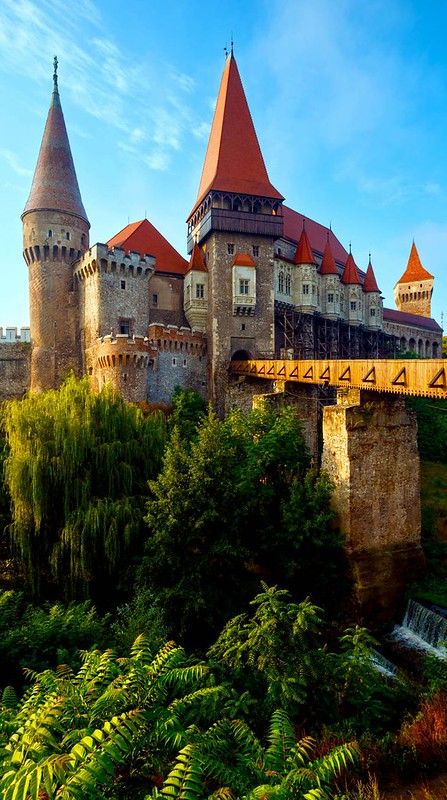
[424,377]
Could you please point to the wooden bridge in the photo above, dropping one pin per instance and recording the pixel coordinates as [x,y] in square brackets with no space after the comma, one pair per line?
[420,377]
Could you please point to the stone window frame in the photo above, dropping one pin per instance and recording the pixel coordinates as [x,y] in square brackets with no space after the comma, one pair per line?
[244,287]
[330,297]
[353,305]
[200,291]
[256,250]
[122,283]
[123,322]
[230,248]
[306,288]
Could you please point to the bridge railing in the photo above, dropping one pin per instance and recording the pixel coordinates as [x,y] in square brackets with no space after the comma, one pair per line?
[420,377]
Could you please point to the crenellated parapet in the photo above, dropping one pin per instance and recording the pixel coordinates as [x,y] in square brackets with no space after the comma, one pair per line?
[99,258]
[122,362]
[170,338]
[181,361]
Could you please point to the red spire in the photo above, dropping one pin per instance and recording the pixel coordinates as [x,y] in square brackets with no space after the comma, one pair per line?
[350,272]
[415,271]
[328,266]
[233,161]
[370,283]
[197,261]
[55,185]
[304,253]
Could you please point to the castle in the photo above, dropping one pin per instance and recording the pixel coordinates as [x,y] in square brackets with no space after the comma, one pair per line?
[261,280]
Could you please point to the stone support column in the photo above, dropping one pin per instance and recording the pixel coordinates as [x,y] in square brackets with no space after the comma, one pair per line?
[370,453]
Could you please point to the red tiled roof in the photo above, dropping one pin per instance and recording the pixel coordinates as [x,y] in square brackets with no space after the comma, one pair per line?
[303,254]
[55,185]
[414,271]
[370,283]
[403,318]
[233,161]
[350,272]
[328,266]
[142,237]
[197,261]
[243,260]
[293,222]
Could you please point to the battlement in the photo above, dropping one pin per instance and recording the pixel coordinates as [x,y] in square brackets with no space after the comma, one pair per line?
[11,335]
[120,351]
[171,338]
[101,258]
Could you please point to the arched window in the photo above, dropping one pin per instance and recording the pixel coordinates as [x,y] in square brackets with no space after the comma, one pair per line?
[288,284]
[281,282]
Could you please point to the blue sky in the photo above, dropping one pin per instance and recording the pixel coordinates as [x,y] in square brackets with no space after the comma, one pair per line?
[349,100]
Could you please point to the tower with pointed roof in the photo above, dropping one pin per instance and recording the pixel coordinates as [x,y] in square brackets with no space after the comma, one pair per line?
[412,293]
[353,294]
[55,234]
[372,299]
[235,221]
[330,284]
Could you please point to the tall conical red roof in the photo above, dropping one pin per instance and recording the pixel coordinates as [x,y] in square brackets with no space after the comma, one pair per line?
[55,185]
[196,261]
[350,272]
[233,161]
[303,253]
[328,266]
[414,271]
[370,283]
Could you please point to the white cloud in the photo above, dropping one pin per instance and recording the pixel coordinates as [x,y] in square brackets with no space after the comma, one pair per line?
[158,160]
[14,163]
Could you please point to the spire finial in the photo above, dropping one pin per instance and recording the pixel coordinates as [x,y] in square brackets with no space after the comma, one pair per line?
[370,256]
[232,45]
[350,251]
[55,62]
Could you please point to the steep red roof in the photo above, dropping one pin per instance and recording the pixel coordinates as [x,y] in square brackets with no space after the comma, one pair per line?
[414,271]
[141,237]
[317,233]
[370,283]
[403,318]
[328,266]
[233,161]
[197,261]
[55,185]
[303,254]
[350,272]
[243,260]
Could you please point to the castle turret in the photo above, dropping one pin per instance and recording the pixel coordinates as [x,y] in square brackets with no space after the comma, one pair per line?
[330,284]
[412,293]
[196,291]
[238,211]
[55,234]
[353,294]
[373,299]
[306,297]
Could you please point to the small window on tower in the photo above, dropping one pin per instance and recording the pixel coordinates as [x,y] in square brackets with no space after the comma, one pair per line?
[123,284]
[67,235]
[244,285]
[50,233]
[243,326]
[230,249]
[255,250]
[174,362]
[200,291]
[372,312]
[305,288]
[155,299]
[353,305]
[330,298]
[124,326]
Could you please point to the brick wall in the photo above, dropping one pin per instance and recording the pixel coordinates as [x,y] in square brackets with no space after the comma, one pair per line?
[15,369]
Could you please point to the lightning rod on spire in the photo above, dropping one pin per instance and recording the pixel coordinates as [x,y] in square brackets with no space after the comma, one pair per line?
[55,63]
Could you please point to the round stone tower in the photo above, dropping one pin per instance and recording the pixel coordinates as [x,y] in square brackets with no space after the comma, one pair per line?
[55,234]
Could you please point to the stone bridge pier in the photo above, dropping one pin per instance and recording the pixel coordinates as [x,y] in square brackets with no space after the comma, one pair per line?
[370,453]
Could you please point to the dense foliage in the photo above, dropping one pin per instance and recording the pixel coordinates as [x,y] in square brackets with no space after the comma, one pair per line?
[76,470]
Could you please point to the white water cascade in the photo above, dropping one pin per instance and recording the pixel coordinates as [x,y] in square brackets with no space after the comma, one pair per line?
[422,629]
[382,665]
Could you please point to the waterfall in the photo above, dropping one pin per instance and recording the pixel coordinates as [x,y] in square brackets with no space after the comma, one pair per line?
[422,629]
[382,664]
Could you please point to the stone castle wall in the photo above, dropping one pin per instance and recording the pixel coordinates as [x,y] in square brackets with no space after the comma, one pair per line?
[181,361]
[15,369]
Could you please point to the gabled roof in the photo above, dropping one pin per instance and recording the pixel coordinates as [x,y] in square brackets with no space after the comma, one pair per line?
[303,253]
[55,185]
[370,283]
[416,320]
[233,161]
[142,237]
[350,273]
[197,261]
[243,260]
[414,271]
[328,265]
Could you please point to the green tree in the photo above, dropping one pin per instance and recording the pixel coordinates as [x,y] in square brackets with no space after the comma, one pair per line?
[238,502]
[76,470]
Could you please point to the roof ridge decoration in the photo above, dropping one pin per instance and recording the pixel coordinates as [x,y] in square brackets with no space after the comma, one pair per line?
[55,185]
[414,270]
[350,273]
[303,253]
[328,265]
[233,161]
[370,283]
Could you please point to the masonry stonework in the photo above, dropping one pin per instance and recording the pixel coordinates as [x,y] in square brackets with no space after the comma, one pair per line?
[370,453]
[15,369]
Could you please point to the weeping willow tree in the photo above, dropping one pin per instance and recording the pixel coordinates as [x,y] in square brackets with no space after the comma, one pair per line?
[77,469]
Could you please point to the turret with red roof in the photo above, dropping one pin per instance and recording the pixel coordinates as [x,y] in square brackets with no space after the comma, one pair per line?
[412,293]
[372,299]
[353,294]
[330,283]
